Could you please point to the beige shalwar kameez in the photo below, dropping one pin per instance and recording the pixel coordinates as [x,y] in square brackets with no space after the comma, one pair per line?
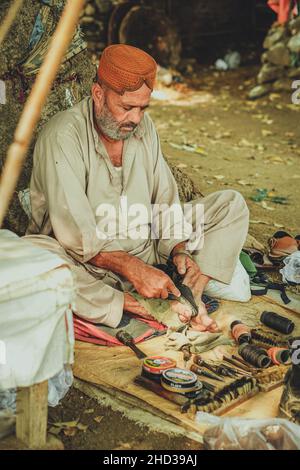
[73,174]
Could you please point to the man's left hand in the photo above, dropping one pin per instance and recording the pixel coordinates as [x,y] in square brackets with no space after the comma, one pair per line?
[188,268]
[196,281]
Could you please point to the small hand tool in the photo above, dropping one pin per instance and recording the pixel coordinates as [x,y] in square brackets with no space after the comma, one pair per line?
[241,361]
[128,340]
[235,371]
[186,349]
[200,371]
[208,386]
[238,368]
[217,369]
[238,364]
[231,370]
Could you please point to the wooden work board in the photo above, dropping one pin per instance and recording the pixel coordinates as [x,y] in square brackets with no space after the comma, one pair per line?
[114,369]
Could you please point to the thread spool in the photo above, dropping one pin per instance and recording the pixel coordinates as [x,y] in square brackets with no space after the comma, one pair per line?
[240,332]
[254,355]
[277,322]
[279,355]
[154,366]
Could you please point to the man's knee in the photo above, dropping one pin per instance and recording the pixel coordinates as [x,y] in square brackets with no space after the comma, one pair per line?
[237,199]
[238,289]
[240,293]
[240,202]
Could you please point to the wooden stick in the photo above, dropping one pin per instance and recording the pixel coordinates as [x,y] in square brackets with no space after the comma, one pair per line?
[32,110]
[32,412]
[9,19]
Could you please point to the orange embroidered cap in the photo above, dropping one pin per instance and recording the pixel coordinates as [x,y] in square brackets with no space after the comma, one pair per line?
[126,68]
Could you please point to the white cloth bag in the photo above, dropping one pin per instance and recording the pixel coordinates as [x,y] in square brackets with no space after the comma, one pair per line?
[36,328]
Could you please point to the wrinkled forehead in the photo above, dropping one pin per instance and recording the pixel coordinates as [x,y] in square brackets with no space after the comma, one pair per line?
[139,98]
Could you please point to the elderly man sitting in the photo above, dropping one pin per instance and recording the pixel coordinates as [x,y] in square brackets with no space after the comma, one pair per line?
[104,153]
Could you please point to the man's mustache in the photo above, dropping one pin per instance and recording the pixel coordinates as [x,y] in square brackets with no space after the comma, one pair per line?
[130,124]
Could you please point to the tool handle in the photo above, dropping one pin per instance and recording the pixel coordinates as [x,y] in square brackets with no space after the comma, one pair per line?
[186,350]
[137,351]
[238,367]
[198,360]
[239,359]
[199,371]
[124,337]
[128,341]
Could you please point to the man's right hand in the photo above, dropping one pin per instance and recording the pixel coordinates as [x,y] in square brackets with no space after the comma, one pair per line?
[133,306]
[150,282]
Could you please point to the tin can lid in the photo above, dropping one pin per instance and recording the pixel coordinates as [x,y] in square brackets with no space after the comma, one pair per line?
[179,377]
[158,364]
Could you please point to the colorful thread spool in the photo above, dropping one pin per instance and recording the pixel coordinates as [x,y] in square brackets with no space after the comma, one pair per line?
[279,355]
[240,332]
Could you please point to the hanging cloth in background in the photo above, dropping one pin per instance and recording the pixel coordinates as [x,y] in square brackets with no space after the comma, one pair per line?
[43,29]
[283,9]
[44,26]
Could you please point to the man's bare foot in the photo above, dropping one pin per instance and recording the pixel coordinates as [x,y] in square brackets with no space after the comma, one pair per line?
[202,322]
[184,311]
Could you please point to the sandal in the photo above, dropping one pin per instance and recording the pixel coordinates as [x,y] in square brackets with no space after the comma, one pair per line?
[259,259]
[282,245]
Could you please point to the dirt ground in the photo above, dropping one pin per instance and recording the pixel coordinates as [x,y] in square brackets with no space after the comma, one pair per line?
[244,145]
[102,429]
[241,145]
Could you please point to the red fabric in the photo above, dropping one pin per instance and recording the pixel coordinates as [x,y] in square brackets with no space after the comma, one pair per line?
[126,68]
[88,332]
[282,8]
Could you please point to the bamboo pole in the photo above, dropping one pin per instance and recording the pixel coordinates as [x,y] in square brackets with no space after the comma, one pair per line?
[9,19]
[33,107]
